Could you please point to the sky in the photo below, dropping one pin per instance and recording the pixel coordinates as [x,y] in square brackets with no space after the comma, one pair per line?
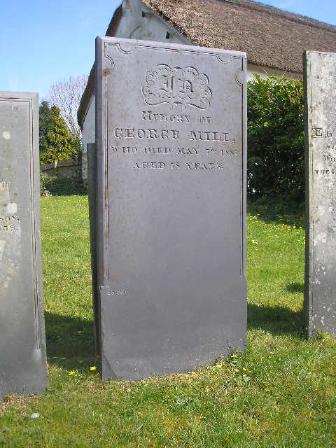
[46,41]
[324,10]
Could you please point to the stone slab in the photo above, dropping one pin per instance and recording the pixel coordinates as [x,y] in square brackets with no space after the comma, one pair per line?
[320,156]
[23,367]
[92,195]
[171,170]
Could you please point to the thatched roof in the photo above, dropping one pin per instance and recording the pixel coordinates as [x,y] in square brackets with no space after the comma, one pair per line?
[271,37]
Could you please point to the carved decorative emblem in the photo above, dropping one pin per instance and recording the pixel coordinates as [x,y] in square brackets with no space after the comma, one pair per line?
[177,86]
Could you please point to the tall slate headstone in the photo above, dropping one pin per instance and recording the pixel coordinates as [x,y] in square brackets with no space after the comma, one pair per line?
[171,150]
[320,283]
[22,339]
[92,195]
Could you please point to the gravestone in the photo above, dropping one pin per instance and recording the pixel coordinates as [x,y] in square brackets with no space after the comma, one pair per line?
[320,284]
[171,150]
[92,196]
[22,339]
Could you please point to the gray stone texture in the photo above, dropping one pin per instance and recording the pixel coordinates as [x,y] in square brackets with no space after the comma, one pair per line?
[320,283]
[92,194]
[23,367]
[171,149]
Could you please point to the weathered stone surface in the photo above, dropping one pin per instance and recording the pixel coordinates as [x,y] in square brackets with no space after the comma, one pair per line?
[92,194]
[22,339]
[171,148]
[320,287]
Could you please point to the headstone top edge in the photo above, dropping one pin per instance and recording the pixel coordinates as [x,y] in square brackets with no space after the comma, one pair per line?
[7,95]
[163,45]
[310,53]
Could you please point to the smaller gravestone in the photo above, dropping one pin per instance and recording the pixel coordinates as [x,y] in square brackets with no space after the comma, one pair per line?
[23,367]
[320,288]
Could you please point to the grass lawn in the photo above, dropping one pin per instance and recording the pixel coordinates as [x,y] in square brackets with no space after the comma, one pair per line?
[279,393]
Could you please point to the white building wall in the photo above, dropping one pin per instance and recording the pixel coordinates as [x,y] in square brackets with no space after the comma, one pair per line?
[88,135]
[137,22]
[265,72]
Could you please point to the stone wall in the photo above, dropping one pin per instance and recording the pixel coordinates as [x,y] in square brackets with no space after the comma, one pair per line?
[65,168]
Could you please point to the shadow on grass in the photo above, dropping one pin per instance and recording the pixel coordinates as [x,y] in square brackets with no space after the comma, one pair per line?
[277,320]
[277,211]
[70,341]
[295,287]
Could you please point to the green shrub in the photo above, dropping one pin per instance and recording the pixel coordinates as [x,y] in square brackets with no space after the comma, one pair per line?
[275,138]
[45,180]
[60,185]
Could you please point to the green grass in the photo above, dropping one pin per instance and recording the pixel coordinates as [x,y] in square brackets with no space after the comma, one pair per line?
[279,393]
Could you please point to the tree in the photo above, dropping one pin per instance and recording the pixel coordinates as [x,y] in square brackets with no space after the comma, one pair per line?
[66,95]
[56,141]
